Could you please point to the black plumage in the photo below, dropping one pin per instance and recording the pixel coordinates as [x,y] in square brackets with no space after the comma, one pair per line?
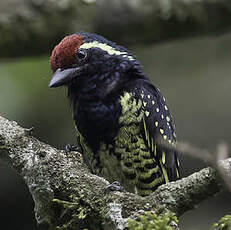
[119,115]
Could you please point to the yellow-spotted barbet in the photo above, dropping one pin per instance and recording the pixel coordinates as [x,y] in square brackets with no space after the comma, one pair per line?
[120,115]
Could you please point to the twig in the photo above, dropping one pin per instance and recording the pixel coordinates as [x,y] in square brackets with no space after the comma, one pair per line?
[222,153]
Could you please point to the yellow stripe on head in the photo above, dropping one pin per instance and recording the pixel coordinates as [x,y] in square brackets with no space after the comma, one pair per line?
[107,48]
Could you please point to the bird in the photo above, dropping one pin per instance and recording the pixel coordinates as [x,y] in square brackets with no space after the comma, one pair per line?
[123,124]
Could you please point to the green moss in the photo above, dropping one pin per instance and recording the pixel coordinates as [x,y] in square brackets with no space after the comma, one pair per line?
[153,221]
[77,213]
[223,224]
[74,210]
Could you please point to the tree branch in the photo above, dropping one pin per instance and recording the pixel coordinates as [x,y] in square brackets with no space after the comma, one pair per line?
[125,21]
[67,194]
[161,20]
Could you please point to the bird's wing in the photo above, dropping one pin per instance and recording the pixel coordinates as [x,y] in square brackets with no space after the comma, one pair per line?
[158,130]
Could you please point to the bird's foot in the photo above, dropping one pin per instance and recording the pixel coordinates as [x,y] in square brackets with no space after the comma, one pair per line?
[115,186]
[70,148]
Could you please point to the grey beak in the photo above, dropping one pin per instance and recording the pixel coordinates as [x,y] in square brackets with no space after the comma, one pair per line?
[62,77]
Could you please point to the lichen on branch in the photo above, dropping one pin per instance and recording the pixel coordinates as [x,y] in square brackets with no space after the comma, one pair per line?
[65,193]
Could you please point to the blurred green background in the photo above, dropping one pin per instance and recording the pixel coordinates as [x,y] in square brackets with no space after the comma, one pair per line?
[193,74]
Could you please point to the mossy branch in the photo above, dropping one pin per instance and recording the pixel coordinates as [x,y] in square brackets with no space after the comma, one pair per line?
[25,25]
[66,194]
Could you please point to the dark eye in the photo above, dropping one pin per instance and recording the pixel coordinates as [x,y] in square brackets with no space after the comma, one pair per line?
[81,54]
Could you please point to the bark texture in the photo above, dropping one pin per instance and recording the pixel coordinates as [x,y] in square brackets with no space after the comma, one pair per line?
[66,194]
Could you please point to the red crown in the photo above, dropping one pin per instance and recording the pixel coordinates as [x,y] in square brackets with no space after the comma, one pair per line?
[63,54]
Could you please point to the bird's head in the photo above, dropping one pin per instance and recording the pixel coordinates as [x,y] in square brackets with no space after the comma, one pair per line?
[83,56]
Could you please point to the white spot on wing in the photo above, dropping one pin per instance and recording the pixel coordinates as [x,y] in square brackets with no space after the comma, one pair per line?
[144,103]
[146,113]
